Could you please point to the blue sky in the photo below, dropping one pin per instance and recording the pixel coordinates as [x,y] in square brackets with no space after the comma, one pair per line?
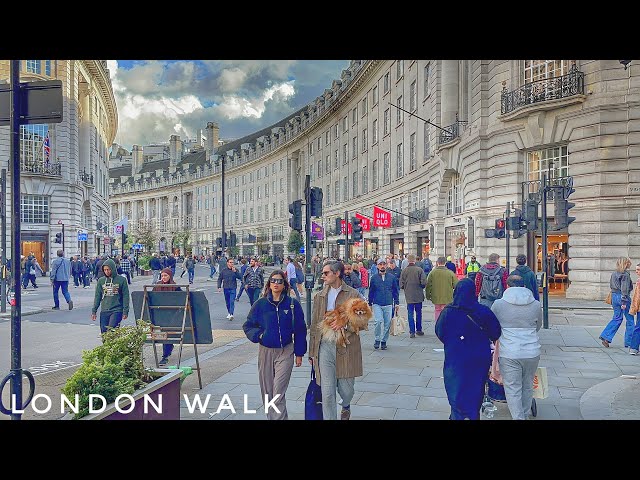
[159,98]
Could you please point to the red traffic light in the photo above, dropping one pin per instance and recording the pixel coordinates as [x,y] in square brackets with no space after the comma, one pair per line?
[500,223]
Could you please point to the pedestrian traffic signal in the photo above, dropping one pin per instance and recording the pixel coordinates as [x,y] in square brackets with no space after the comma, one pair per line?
[500,228]
[295,209]
[338,226]
[219,242]
[233,240]
[124,239]
[561,213]
[316,201]
[356,227]
[531,214]
[58,238]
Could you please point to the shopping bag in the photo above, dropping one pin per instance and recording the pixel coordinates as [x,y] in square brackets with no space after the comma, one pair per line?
[399,324]
[540,383]
[607,300]
[313,400]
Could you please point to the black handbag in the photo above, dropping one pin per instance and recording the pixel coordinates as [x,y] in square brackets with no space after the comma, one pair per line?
[313,400]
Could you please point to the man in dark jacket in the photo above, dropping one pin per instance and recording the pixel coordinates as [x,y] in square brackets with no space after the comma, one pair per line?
[112,293]
[528,277]
[450,265]
[155,265]
[171,263]
[351,278]
[413,280]
[494,278]
[253,279]
[60,272]
[228,278]
[75,271]
[243,269]
[384,293]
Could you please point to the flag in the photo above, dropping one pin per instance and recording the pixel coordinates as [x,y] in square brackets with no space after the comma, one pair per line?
[366,223]
[46,149]
[381,218]
[317,231]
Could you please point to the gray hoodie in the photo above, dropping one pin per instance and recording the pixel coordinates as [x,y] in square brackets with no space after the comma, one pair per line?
[621,283]
[520,318]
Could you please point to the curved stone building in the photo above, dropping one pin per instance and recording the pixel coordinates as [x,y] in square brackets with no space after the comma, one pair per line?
[481,133]
[64,166]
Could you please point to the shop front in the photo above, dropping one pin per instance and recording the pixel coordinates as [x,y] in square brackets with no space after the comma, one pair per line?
[371,247]
[36,244]
[397,244]
[423,245]
[557,262]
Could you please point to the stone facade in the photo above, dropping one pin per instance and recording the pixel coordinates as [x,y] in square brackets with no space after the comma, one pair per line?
[73,183]
[492,125]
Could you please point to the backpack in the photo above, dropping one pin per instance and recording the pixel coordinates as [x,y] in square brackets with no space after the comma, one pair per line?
[492,287]
[428,266]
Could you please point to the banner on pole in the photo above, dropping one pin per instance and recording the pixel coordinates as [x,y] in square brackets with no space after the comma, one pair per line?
[317,231]
[342,222]
[381,218]
[366,223]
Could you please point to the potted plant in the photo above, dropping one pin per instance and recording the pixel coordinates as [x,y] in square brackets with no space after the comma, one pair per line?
[114,373]
[143,264]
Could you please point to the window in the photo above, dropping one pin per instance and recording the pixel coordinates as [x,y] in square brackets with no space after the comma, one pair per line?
[354,184]
[374,95]
[258,176]
[266,212]
[206,189]
[412,152]
[427,142]
[328,195]
[34,209]
[266,171]
[230,219]
[32,155]
[47,67]
[365,180]
[454,197]
[319,168]
[259,192]
[335,131]
[399,162]
[281,164]
[319,145]
[274,211]
[244,216]
[273,168]
[385,125]
[413,97]
[345,189]
[345,126]
[337,191]
[345,154]
[413,201]
[251,194]
[206,221]
[374,174]
[259,214]
[327,137]
[199,222]
[251,177]
[327,164]
[244,179]
[423,198]
[266,190]
[427,90]
[364,140]
[374,132]
[236,181]
[336,158]
[281,208]
[387,168]
[386,82]
[399,115]
[206,204]
[251,215]
[354,149]
[311,148]
[34,66]
[363,107]
[535,70]
[552,161]
[282,185]
[244,196]
[399,69]
[236,197]
[354,116]
[273,187]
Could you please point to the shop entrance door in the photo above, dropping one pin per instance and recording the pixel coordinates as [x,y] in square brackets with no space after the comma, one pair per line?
[557,260]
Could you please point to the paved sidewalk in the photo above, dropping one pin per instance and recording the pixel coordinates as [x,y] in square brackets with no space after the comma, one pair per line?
[405,382]
[26,310]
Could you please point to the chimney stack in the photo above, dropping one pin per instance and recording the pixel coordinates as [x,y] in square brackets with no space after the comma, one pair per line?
[175,150]
[212,139]
[137,159]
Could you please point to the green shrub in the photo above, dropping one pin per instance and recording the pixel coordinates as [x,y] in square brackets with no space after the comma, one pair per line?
[111,369]
[143,262]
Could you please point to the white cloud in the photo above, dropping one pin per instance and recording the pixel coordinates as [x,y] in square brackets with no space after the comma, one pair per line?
[234,106]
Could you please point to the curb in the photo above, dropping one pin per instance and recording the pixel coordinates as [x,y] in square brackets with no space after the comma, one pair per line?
[576,307]
[597,403]
[35,311]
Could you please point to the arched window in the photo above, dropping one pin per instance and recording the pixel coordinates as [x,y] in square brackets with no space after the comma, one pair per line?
[454,196]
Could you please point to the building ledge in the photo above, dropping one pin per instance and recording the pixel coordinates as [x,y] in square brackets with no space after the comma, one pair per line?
[541,106]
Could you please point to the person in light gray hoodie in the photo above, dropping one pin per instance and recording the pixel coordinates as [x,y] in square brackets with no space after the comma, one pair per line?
[520,319]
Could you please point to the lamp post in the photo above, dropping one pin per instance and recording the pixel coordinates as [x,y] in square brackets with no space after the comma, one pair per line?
[625,63]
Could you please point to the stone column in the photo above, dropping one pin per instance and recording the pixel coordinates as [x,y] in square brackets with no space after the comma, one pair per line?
[84,163]
[450,91]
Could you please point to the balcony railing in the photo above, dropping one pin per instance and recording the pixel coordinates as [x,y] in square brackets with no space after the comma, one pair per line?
[543,90]
[277,237]
[453,131]
[397,221]
[53,169]
[419,216]
[87,178]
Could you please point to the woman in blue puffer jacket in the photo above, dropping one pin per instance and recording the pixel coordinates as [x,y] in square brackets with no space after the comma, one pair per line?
[276,322]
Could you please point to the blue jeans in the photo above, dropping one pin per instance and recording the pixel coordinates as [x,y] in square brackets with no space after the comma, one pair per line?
[65,292]
[635,336]
[417,307]
[294,282]
[167,348]
[240,290]
[612,327]
[254,294]
[212,271]
[382,314]
[109,320]
[191,275]
[229,299]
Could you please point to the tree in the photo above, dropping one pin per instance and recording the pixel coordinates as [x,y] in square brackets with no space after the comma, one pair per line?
[233,251]
[295,241]
[146,234]
[182,239]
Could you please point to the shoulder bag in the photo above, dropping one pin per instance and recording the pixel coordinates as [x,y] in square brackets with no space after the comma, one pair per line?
[313,400]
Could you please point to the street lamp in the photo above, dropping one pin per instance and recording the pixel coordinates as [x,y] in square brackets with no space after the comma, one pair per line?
[625,63]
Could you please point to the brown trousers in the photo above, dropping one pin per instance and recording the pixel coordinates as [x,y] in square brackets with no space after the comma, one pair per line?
[274,369]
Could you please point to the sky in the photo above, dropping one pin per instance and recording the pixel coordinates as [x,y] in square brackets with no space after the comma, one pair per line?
[157,99]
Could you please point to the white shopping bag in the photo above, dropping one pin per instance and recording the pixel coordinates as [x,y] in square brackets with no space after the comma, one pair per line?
[540,383]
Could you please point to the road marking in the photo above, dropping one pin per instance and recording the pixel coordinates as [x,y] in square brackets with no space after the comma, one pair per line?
[51,367]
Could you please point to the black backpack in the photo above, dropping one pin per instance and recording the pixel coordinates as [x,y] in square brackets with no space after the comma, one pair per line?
[492,287]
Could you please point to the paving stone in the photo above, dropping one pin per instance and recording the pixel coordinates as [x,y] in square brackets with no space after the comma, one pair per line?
[217,388]
[394,400]
[601,375]
[546,411]
[375,387]
[571,392]
[359,412]
[431,372]
[436,382]
[559,381]
[568,413]
[402,414]
[585,382]
[436,404]
[397,379]
[399,370]
[565,372]
[240,378]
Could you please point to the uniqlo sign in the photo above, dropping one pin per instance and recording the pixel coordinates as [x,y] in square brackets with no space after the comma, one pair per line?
[381,218]
[350,226]
[366,223]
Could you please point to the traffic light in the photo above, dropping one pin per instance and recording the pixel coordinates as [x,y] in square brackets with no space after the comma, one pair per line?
[124,239]
[500,228]
[219,242]
[316,202]
[233,239]
[295,209]
[531,214]
[356,228]
[99,225]
[561,213]
[338,226]
[58,238]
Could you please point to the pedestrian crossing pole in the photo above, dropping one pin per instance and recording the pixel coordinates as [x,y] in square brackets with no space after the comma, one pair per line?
[3,210]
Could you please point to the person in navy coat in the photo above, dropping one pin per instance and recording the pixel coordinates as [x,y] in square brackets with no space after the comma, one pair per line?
[467,329]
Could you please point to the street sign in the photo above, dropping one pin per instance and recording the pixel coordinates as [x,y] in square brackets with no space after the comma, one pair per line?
[136,246]
[302,249]
[40,102]
[82,237]
[117,229]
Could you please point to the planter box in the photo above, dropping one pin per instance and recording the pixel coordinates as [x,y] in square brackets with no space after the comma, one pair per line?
[147,273]
[168,385]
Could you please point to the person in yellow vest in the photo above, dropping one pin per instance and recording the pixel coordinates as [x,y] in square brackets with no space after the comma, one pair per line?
[473,268]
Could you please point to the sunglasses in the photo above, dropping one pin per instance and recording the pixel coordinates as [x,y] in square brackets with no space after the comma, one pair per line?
[326,273]
[279,281]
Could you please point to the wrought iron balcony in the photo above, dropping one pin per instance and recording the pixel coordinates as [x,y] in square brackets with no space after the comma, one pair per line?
[419,216]
[41,168]
[397,220]
[543,90]
[277,237]
[87,178]
[453,131]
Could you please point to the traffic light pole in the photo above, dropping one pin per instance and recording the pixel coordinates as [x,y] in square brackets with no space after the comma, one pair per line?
[346,236]
[307,251]
[508,233]
[545,263]
[224,243]
[3,209]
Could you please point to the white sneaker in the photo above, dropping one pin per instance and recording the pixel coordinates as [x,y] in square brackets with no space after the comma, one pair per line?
[632,351]
[228,316]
